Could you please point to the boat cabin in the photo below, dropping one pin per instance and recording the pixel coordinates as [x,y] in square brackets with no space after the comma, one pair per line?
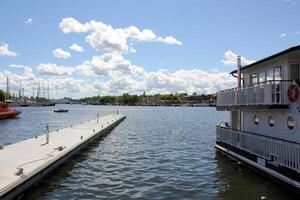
[266,102]
[264,128]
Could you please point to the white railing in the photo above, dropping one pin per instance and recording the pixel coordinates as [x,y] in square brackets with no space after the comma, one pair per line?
[266,93]
[280,152]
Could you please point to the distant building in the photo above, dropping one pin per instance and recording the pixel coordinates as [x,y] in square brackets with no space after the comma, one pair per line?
[61,101]
[149,100]
[198,99]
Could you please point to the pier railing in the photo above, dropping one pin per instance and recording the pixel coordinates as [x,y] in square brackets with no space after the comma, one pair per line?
[263,94]
[280,152]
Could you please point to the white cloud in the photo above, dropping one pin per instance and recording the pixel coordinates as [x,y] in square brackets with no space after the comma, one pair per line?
[4,51]
[60,86]
[27,70]
[106,39]
[140,35]
[112,65]
[190,81]
[108,42]
[51,69]
[169,40]
[69,25]
[27,78]
[132,50]
[123,76]
[63,86]
[164,81]
[59,53]
[148,35]
[230,58]
[76,47]
[28,21]
[120,76]
[113,74]
[282,35]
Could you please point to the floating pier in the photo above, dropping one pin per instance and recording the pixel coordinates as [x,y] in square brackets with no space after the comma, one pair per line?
[24,163]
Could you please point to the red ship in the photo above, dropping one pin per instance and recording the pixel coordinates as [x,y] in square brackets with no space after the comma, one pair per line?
[8,113]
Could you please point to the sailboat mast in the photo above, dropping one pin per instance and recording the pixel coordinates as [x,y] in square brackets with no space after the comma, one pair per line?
[7,89]
[48,91]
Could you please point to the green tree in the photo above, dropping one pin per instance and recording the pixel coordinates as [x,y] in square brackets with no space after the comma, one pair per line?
[2,95]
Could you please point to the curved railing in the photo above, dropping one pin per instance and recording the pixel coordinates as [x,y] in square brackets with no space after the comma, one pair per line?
[277,151]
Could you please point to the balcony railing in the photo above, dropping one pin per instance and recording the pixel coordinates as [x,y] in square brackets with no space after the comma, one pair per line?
[280,152]
[263,94]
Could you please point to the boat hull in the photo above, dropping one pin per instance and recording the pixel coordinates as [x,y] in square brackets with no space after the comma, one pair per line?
[9,114]
[284,176]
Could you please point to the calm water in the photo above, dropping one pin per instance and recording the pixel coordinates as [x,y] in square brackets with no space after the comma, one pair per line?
[156,153]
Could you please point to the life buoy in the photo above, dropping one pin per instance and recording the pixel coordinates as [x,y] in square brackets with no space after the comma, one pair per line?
[293,93]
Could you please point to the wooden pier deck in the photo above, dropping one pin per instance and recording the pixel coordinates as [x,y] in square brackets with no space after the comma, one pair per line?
[24,163]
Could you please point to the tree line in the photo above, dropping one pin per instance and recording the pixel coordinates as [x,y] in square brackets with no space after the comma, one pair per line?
[128,99]
[3,95]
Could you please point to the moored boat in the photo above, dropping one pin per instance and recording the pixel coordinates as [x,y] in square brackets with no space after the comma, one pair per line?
[265,117]
[61,110]
[8,113]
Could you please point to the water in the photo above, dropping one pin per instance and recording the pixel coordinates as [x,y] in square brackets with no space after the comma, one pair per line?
[156,153]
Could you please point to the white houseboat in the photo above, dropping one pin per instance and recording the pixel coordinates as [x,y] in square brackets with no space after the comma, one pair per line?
[264,128]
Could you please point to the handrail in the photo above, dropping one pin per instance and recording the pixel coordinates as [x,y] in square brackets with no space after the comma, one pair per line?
[277,151]
[255,85]
[257,134]
[265,93]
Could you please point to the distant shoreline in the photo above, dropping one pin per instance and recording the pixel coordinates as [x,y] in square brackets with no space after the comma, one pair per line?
[149,105]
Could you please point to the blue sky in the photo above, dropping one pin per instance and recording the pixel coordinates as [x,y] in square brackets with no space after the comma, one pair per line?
[203,32]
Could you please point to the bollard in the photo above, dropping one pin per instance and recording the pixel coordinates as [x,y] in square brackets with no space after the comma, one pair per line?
[97,118]
[47,134]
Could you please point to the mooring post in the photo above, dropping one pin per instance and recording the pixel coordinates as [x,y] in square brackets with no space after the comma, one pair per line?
[47,134]
[113,112]
[97,118]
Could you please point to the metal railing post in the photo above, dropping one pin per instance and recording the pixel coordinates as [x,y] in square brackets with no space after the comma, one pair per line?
[47,134]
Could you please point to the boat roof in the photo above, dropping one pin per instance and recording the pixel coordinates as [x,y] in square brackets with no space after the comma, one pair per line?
[295,48]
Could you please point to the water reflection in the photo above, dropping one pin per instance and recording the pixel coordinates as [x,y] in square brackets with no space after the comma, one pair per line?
[241,182]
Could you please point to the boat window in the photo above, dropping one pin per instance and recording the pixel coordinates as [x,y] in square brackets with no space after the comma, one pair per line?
[256,119]
[254,79]
[270,75]
[277,73]
[294,72]
[271,121]
[291,123]
[262,77]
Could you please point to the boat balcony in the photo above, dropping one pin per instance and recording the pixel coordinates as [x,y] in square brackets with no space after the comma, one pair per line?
[276,151]
[265,95]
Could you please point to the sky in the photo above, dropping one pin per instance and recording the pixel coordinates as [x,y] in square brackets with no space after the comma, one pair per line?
[97,47]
